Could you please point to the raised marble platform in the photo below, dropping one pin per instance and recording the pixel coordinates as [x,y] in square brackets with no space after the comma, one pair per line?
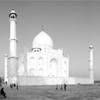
[30,80]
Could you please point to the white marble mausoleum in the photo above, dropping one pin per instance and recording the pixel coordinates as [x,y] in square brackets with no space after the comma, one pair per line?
[42,65]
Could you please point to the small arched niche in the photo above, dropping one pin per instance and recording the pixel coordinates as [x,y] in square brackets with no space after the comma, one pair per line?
[32,72]
[40,72]
[65,65]
[65,69]
[41,62]
[32,62]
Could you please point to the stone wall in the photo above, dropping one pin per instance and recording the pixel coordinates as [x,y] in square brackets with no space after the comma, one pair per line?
[22,80]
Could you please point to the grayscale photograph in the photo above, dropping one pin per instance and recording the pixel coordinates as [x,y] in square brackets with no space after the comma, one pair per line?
[50,50]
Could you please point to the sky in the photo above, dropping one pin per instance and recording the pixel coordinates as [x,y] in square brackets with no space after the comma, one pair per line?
[72,25]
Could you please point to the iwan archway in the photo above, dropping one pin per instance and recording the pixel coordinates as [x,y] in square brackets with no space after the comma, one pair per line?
[54,67]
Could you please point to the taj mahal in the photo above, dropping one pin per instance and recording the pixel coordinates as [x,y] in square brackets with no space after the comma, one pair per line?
[42,65]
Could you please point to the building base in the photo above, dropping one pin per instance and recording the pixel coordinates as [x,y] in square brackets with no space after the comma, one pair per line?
[12,80]
[29,80]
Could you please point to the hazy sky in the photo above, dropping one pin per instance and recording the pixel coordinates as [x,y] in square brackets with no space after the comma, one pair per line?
[73,25]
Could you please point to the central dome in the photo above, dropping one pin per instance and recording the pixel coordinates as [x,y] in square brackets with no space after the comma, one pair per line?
[42,39]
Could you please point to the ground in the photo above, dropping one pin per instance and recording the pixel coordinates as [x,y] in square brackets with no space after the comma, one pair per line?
[73,92]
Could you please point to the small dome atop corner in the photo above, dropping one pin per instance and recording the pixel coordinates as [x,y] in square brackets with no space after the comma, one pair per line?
[6,55]
[91,46]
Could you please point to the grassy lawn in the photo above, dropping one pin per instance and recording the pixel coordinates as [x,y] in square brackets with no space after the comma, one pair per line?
[73,92]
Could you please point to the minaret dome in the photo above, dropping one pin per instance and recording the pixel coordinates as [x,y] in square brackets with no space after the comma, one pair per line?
[90,47]
[12,15]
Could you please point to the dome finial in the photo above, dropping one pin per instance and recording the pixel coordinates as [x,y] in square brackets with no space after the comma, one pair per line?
[42,28]
[12,8]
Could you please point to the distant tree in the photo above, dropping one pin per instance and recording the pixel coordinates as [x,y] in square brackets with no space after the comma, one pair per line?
[0,80]
[97,81]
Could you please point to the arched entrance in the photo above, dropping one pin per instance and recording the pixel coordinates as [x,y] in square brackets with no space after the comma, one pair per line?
[54,67]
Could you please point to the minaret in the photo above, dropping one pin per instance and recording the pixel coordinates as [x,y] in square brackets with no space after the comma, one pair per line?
[68,66]
[91,62]
[6,68]
[13,59]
